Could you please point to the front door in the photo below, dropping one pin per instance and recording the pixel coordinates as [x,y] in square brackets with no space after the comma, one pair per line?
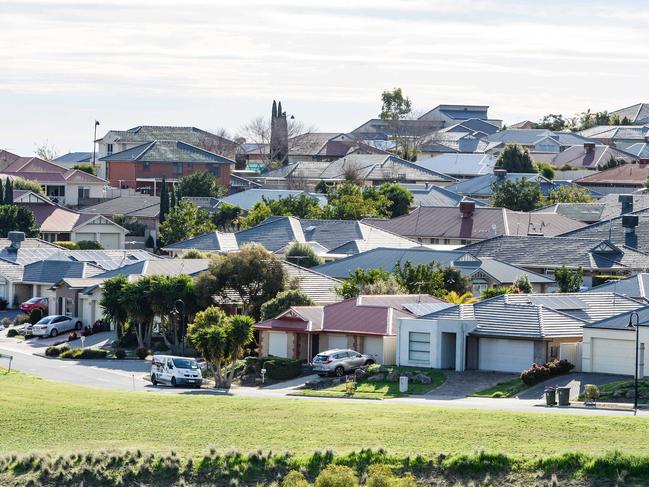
[315,346]
[448,350]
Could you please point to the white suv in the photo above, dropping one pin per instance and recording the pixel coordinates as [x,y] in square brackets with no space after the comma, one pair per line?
[339,362]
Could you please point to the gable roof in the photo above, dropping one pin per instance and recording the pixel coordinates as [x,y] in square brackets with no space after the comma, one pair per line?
[53,218]
[431,195]
[210,242]
[135,206]
[167,151]
[636,286]
[595,156]
[482,185]
[633,175]
[73,158]
[52,271]
[616,132]
[159,267]
[638,113]
[621,321]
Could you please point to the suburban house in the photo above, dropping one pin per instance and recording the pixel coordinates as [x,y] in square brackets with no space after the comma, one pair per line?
[453,114]
[506,333]
[620,136]
[319,146]
[141,209]
[430,195]
[70,187]
[143,166]
[366,324]
[247,199]
[484,272]
[587,155]
[621,179]
[597,257]
[469,223]
[442,142]
[637,114]
[57,223]
[460,166]
[367,169]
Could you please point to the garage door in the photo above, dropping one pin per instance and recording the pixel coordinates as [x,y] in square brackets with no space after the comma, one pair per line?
[109,240]
[613,356]
[374,346]
[505,355]
[337,341]
[277,343]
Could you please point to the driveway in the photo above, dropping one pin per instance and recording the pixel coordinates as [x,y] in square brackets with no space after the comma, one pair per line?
[462,384]
[576,381]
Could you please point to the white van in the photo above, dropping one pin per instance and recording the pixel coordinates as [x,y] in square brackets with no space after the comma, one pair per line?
[175,371]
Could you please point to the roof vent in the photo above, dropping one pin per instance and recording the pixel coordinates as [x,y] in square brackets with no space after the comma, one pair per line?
[589,146]
[627,203]
[15,238]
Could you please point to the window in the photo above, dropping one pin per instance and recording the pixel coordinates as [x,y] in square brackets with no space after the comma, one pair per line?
[419,346]
[83,193]
[215,169]
[55,191]
[109,149]
[178,168]
[146,166]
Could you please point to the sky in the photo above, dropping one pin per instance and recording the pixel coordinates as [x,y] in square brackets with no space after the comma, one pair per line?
[218,64]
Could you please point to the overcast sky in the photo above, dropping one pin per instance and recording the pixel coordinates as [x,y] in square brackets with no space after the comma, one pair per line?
[216,64]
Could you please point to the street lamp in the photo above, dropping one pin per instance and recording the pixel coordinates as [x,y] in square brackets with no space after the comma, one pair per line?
[94,142]
[637,346]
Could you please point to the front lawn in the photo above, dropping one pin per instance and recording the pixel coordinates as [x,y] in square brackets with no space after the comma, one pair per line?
[41,415]
[622,391]
[508,388]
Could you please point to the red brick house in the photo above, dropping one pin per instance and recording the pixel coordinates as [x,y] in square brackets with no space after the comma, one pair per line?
[144,166]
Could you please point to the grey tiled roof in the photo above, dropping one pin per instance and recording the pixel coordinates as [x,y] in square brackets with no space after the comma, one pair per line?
[579,156]
[638,113]
[553,252]
[160,267]
[437,196]
[211,242]
[142,206]
[640,150]
[613,132]
[72,158]
[11,272]
[167,151]
[532,136]
[613,207]
[583,212]
[482,185]
[636,286]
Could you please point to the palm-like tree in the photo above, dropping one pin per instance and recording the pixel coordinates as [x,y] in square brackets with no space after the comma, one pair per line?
[455,298]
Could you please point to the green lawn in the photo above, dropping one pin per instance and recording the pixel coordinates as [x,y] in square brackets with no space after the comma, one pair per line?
[41,415]
[508,388]
[607,391]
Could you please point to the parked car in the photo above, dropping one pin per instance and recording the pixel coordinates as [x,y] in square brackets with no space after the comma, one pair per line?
[339,362]
[35,303]
[53,325]
[175,371]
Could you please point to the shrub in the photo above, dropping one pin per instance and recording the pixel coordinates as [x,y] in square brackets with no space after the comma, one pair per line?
[67,244]
[142,353]
[149,242]
[87,331]
[35,315]
[56,351]
[281,368]
[120,354]
[83,353]
[6,322]
[380,475]
[538,373]
[336,476]
[99,326]
[3,304]
[373,369]
[294,479]
[89,245]
[591,392]
[12,332]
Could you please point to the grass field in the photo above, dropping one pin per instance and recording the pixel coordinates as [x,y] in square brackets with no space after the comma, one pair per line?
[508,388]
[49,416]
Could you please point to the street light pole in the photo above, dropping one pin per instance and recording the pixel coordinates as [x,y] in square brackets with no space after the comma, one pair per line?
[180,308]
[94,144]
[637,344]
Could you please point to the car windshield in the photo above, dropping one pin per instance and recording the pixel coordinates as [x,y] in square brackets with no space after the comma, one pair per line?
[33,300]
[320,358]
[46,321]
[185,363]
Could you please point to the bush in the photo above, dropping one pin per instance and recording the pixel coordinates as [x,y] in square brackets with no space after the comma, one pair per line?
[538,373]
[21,319]
[67,244]
[6,322]
[72,336]
[149,242]
[99,326]
[142,353]
[12,332]
[89,245]
[87,331]
[380,475]
[294,479]
[120,354]
[83,353]
[56,351]
[336,476]
[281,368]
[35,315]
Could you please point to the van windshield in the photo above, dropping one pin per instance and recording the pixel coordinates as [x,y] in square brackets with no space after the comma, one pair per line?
[185,363]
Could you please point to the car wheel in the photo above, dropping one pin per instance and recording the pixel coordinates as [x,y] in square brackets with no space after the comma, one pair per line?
[369,362]
[54,332]
[78,325]
[154,381]
[339,371]
[173,382]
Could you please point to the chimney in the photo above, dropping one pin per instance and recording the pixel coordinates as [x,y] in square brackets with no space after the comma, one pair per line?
[589,146]
[627,203]
[467,208]
[500,174]
[629,222]
[15,238]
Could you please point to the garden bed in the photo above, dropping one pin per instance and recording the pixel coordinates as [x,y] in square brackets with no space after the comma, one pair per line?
[623,391]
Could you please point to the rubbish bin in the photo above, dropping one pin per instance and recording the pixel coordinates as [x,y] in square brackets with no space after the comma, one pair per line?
[403,383]
[564,396]
[550,396]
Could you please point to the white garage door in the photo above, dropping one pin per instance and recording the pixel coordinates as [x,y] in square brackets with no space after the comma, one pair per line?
[109,240]
[374,346]
[337,341]
[613,356]
[277,343]
[505,355]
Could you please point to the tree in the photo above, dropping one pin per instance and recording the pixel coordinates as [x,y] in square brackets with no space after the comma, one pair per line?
[200,184]
[302,206]
[492,292]
[19,218]
[185,221]
[220,340]
[569,281]
[394,106]
[546,170]
[86,167]
[164,292]
[135,299]
[455,298]
[9,192]
[253,274]
[45,151]
[395,110]
[195,254]
[283,301]
[114,310]
[455,281]
[349,202]
[360,279]
[387,286]
[226,215]
[420,278]
[552,122]
[569,194]
[303,255]
[172,198]
[518,195]
[399,197]
[257,214]
[515,158]
[2,192]
[26,184]
[164,201]
[523,284]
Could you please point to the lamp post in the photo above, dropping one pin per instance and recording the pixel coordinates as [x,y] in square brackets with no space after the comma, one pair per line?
[94,144]
[637,344]
[180,308]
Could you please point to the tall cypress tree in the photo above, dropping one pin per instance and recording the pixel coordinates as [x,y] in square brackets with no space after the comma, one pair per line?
[164,201]
[172,199]
[9,192]
[2,199]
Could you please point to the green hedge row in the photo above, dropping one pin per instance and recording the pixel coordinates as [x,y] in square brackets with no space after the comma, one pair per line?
[84,353]
[281,368]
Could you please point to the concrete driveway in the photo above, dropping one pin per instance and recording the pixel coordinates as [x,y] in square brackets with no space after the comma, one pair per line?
[462,384]
[576,381]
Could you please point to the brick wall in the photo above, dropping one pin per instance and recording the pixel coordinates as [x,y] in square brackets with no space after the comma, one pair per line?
[122,173]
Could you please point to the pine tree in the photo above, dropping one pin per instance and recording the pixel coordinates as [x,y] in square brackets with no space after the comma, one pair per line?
[164,201]
[9,192]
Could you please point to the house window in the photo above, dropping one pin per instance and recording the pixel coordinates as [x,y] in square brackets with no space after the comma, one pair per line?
[146,166]
[178,168]
[478,286]
[83,193]
[109,149]
[215,169]
[55,191]
[419,346]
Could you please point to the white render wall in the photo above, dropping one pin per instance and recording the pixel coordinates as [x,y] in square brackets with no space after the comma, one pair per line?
[591,334]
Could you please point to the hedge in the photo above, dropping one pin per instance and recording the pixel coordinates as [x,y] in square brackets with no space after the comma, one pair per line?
[84,353]
[279,368]
[538,373]
[56,351]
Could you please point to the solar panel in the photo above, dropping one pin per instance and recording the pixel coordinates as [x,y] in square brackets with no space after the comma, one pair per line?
[558,302]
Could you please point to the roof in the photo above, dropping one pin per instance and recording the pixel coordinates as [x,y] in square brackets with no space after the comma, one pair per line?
[247,199]
[594,157]
[633,175]
[485,222]
[319,287]
[135,206]
[74,158]
[52,271]
[11,272]
[640,150]
[636,286]
[482,186]
[638,113]
[454,142]
[209,242]
[167,151]
[553,252]
[159,267]
[460,165]
[431,195]
[53,218]
[530,137]
[616,132]
[621,321]
[583,212]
